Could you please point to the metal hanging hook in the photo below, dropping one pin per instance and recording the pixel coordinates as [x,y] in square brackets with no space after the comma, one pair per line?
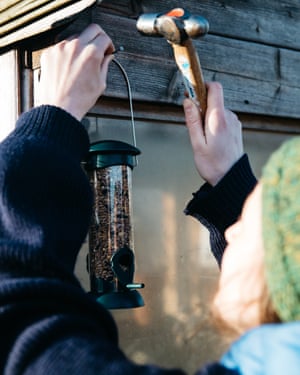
[120,66]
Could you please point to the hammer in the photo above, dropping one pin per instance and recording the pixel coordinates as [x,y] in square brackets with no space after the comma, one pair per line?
[178,26]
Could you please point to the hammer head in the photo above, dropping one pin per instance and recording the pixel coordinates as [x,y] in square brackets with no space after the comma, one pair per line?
[176,26]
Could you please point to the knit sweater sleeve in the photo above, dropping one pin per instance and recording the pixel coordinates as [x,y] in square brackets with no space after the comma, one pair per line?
[219,207]
[45,197]
[69,356]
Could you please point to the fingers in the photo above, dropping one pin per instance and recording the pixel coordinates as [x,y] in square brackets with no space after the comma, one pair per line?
[215,98]
[96,35]
[92,36]
[219,145]
[215,118]
[193,123]
[103,72]
[74,71]
[103,44]
[98,51]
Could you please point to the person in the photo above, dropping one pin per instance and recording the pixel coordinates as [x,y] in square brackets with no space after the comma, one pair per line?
[49,324]
[258,292]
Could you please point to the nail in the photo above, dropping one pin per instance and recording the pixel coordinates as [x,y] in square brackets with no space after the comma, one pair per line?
[120,49]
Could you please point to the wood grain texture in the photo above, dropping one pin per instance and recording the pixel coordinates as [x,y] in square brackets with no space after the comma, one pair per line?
[23,19]
[170,114]
[252,48]
[257,78]
[269,22]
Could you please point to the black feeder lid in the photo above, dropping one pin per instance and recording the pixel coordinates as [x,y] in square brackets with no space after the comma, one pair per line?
[107,153]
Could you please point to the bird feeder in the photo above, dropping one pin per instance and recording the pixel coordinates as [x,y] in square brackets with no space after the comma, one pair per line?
[111,256]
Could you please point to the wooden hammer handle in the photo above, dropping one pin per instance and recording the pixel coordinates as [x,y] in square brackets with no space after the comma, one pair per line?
[188,63]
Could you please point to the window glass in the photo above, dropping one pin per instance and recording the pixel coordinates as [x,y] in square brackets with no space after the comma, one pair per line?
[172,251]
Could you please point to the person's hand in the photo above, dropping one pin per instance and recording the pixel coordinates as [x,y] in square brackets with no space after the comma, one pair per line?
[217,145]
[74,71]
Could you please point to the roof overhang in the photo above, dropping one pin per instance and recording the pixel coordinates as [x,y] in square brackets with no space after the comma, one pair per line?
[40,18]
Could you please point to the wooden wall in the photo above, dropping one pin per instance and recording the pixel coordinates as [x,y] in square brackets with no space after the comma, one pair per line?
[252,48]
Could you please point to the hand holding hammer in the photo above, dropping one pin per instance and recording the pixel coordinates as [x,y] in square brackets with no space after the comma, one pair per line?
[178,26]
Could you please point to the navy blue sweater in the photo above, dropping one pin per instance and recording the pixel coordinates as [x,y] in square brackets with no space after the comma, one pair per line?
[49,325]
[219,207]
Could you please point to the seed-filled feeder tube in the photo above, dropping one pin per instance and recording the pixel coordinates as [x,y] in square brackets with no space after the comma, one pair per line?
[111,256]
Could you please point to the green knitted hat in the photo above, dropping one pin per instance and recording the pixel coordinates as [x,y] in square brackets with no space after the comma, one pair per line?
[281,228]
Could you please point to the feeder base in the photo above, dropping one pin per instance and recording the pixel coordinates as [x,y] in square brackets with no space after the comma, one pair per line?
[121,300]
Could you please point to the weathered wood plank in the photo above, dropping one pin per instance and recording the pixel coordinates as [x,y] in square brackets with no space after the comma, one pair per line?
[268,22]
[289,70]
[151,82]
[170,114]
[126,8]
[5,4]
[14,16]
[36,23]
[216,53]
[259,97]
[257,78]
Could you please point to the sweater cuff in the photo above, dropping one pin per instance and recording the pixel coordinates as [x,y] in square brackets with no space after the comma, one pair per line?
[222,204]
[55,125]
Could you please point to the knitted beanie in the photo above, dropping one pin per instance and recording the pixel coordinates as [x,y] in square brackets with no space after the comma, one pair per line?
[281,228]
